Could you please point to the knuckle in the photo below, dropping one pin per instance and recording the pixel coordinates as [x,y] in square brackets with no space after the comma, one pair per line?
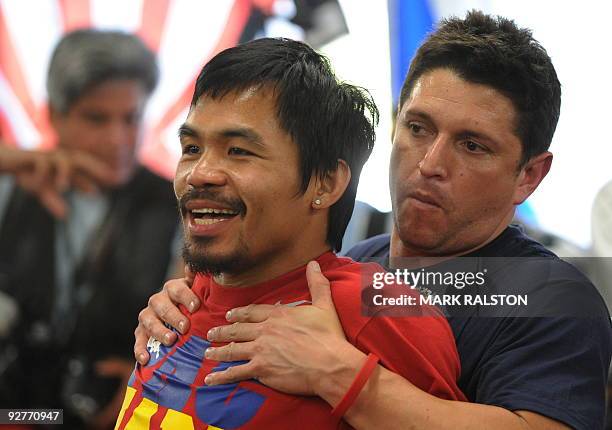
[230,352]
[167,286]
[257,347]
[264,329]
[163,311]
[232,332]
[151,301]
[280,312]
[256,367]
[146,324]
[248,311]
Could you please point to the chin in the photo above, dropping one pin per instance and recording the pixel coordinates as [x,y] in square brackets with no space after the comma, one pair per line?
[419,236]
[201,257]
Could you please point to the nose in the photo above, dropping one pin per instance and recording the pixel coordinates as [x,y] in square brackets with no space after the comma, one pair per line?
[208,171]
[435,161]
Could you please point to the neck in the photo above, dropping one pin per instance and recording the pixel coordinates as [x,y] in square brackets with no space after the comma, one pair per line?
[274,266]
[400,249]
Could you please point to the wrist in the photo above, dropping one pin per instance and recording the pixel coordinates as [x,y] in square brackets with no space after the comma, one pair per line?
[338,374]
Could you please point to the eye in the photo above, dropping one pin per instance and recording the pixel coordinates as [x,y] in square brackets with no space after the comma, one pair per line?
[132,118]
[472,146]
[416,129]
[191,149]
[238,151]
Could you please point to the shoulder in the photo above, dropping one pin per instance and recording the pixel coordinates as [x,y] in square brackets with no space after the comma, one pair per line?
[419,348]
[513,242]
[351,286]
[348,280]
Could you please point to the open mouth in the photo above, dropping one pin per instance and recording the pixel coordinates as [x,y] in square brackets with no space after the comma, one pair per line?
[209,216]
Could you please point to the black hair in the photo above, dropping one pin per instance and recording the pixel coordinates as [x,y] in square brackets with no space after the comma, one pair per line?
[327,119]
[493,51]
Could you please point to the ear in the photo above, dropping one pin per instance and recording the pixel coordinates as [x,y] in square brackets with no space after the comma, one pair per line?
[531,175]
[331,187]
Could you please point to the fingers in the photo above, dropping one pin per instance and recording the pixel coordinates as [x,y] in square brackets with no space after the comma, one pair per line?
[251,313]
[63,172]
[238,332]
[141,354]
[154,327]
[42,170]
[179,292]
[231,374]
[84,183]
[319,287]
[94,169]
[53,202]
[165,310]
[230,352]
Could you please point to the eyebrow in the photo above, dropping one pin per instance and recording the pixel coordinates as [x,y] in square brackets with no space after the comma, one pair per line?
[238,132]
[419,113]
[243,133]
[467,133]
[187,131]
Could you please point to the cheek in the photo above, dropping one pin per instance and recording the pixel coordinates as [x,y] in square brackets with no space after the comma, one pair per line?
[482,193]
[402,165]
[180,179]
[271,202]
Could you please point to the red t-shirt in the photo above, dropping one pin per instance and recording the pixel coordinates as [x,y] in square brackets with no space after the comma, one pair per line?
[170,392]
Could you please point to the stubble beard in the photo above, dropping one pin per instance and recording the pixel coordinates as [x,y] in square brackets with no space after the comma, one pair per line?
[197,254]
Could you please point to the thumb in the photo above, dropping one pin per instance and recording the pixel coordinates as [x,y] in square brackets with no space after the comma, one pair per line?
[318,285]
[189,275]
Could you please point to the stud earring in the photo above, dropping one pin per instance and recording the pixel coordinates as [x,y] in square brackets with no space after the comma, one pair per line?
[317,201]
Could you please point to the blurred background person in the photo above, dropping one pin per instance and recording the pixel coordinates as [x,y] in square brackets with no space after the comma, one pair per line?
[79,223]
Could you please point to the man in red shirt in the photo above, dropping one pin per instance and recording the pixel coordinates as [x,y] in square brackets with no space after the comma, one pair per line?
[272,149]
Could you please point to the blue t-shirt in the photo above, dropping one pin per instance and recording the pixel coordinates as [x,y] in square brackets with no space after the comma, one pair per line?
[553,366]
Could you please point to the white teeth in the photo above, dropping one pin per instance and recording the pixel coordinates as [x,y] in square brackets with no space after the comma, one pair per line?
[213,211]
[208,221]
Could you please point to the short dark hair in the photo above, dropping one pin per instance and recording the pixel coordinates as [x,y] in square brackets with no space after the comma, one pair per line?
[85,58]
[493,51]
[327,119]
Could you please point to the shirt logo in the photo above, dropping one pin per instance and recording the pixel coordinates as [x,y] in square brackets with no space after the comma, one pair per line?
[153,347]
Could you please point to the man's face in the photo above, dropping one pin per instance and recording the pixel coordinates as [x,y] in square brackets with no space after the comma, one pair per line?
[453,166]
[238,186]
[106,123]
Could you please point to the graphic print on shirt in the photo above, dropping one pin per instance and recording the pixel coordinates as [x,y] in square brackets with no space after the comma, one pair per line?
[169,386]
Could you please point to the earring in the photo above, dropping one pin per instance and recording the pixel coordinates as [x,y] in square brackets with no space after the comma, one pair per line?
[317,201]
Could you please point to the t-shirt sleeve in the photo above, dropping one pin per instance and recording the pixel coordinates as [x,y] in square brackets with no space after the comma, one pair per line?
[421,349]
[556,367]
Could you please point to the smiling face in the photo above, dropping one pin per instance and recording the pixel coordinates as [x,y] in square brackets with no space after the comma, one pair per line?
[454,167]
[106,122]
[238,187]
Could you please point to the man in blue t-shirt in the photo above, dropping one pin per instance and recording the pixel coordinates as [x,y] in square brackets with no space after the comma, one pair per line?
[477,113]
